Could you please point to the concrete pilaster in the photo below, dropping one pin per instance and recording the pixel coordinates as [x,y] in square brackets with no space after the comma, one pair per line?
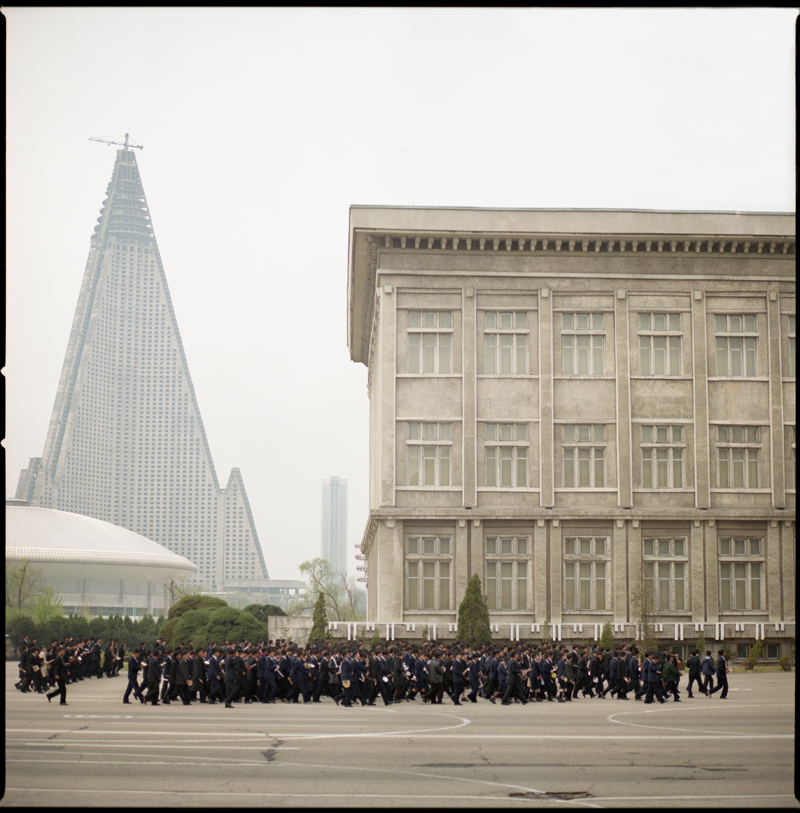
[702,449]
[622,352]
[619,567]
[387,385]
[555,572]
[712,572]
[788,565]
[634,583]
[546,443]
[771,580]
[468,397]
[540,571]
[777,447]
[697,572]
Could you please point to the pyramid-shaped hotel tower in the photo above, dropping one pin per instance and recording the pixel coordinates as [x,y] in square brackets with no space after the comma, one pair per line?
[126,442]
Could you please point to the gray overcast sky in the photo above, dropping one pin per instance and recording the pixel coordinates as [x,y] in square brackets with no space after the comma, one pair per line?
[262,126]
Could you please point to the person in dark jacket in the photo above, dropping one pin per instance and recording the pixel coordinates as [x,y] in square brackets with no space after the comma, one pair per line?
[707,668]
[134,666]
[59,673]
[153,678]
[722,676]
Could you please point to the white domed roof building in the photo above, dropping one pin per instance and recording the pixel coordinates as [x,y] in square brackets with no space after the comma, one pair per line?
[93,564]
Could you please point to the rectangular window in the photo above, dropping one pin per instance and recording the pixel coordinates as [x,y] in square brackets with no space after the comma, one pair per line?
[792,347]
[737,338]
[583,343]
[428,579]
[737,456]
[741,569]
[429,446]
[662,456]
[665,569]
[506,456]
[583,459]
[505,342]
[430,338]
[585,573]
[507,578]
[660,344]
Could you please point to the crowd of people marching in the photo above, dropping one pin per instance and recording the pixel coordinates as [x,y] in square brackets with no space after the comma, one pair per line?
[349,674]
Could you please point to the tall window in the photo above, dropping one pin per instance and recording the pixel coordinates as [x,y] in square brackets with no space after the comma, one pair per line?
[505,342]
[584,458]
[430,336]
[659,344]
[428,572]
[741,568]
[791,431]
[582,343]
[737,339]
[586,562]
[429,447]
[737,453]
[507,572]
[665,573]
[662,456]
[792,347]
[506,455]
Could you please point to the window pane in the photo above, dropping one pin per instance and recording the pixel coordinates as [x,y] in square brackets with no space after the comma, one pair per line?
[648,547]
[647,434]
[597,321]
[659,321]
[721,324]
[522,546]
[429,465]
[725,586]
[569,433]
[723,468]
[749,324]
[506,544]
[582,321]
[569,585]
[585,548]
[428,352]
[735,351]
[659,355]
[522,586]
[680,545]
[521,362]
[582,361]
[413,465]
[583,468]
[569,468]
[740,547]
[584,433]
[428,569]
[662,465]
[597,360]
[491,431]
[444,353]
[752,468]
[674,321]
[491,467]
[680,586]
[674,355]
[491,585]
[506,342]
[755,586]
[444,319]
[600,547]
[490,353]
[569,545]
[429,319]
[600,586]
[644,355]
[599,432]
[444,466]
[520,320]
[490,320]
[750,356]
[506,431]
[444,546]
[567,354]
[522,468]
[663,547]
[491,545]
[444,585]
[677,468]
[444,431]
[413,600]
[722,356]
[428,545]
[755,547]
[414,319]
[413,545]
[735,323]
[413,352]
[644,321]
[599,468]
[505,466]
[566,321]
[506,321]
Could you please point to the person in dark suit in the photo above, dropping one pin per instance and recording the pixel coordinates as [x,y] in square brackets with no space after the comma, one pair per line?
[216,678]
[435,679]
[346,675]
[153,678]
[458,678]
[514,688]
[722,676]
[707,668]
[695,672]
[474,677]
[59,673]
[231,678]
[134,666]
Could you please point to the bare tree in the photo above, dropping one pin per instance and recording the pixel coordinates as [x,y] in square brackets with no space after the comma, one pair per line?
[343,599]
[178,588]
[23,584]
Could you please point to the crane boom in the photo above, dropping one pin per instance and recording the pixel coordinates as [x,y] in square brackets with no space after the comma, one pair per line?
[124,144]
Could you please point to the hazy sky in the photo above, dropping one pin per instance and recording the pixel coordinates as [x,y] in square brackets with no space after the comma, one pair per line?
[262,127]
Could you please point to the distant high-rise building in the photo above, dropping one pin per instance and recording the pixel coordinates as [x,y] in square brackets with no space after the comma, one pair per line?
[126,442]
[334,523]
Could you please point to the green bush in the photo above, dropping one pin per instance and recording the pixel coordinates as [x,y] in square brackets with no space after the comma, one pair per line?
[189,626]
[232,625]
[473,615]
[194,602]
[785,663]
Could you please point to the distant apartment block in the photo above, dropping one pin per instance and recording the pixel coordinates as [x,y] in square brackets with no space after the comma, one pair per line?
[334,523]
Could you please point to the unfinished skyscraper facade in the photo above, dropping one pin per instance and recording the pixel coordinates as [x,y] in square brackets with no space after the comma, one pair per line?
[126,442]
[334,523]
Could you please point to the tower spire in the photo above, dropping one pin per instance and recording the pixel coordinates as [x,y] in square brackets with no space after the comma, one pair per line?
[124,144]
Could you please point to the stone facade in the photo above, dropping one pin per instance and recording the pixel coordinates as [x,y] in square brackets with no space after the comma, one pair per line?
[593,410]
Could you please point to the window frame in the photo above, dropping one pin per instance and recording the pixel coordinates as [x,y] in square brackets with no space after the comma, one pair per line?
[724,344]
[673,344]
[670,447]
[434,334]
[518,457]
[572,562]
[516,560]
[744,558]
[570,450]
[728,462]
[441,572]
[658,559]
[437,451]
[593,351]
[520,343]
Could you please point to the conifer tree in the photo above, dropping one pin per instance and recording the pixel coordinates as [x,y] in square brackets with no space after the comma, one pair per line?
[473,615]
[607,636]
[320,623]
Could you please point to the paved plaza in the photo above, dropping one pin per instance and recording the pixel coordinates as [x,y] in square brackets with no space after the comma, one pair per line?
[738,752]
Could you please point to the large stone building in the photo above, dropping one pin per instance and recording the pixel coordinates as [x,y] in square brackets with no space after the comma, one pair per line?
[126,442]
[592,410]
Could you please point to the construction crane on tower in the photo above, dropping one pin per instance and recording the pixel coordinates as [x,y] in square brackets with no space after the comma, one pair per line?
[124,144]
